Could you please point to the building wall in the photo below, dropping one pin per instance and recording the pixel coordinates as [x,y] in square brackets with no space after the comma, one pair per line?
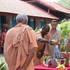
[10,21]
[31,22]
[14,20]
[39,23]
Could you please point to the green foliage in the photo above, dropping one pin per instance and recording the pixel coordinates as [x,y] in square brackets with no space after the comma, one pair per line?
[38,30]
[65,28]
[3,65]
[63,47]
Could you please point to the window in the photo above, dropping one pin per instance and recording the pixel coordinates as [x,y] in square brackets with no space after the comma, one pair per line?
[31,22]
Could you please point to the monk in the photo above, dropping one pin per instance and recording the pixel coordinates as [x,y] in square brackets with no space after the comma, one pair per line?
[20,45]
[41,41]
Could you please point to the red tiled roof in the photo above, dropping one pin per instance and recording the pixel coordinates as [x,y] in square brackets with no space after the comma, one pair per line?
[54,6]
[17,6]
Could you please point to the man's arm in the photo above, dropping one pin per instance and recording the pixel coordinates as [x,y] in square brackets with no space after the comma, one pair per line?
[28,59]
[43,40]
[52,42]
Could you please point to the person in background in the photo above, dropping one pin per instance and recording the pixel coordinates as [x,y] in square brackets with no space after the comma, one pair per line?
[41,41]
[20,44]
[0,39]
[54,35]
[3,36]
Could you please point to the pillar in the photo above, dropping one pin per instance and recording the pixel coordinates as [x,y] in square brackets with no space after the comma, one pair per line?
[37,22]
[0,24]
[14,20]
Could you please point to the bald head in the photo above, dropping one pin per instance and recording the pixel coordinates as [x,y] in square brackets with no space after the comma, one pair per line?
[21,18]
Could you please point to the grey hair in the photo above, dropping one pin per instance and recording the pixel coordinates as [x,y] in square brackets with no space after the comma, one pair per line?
[21,18]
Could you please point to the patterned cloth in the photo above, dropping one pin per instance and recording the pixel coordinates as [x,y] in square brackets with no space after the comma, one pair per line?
[56,36]
[57,53]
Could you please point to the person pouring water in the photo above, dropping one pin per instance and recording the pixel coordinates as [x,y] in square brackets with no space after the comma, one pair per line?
[55,34]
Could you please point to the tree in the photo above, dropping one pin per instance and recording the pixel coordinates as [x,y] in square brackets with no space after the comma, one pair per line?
[65,3]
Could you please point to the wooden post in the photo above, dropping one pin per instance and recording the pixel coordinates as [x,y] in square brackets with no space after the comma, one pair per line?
[0,24]
[37,22]
[48,10]
[13,20]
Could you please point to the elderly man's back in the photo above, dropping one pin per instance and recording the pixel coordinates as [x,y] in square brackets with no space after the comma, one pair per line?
[19,40]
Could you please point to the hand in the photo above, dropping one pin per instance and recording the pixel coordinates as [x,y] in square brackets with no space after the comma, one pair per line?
[46,54]
[18,69]
[53,42]
[21,68]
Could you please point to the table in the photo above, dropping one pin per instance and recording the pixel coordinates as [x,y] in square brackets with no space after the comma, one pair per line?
[43,67]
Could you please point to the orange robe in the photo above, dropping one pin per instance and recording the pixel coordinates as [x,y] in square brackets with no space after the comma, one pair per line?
[40,46]
[19,40]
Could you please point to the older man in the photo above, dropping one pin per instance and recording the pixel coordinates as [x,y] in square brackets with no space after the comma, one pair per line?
[20,44]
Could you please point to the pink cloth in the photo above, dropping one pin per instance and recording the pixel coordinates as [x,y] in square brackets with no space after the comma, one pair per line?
[4,35]
[43,67]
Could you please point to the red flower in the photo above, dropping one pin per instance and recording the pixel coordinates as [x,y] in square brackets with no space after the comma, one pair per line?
[62,61]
